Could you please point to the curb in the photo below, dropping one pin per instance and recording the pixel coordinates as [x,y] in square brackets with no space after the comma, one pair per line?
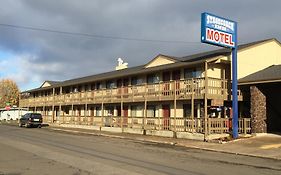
[153,141]
[162,142]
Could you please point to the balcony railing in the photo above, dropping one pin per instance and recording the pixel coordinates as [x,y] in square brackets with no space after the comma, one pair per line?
[182,89]
[196,125]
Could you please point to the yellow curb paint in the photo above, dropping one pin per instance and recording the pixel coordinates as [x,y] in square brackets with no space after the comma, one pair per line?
[271,146]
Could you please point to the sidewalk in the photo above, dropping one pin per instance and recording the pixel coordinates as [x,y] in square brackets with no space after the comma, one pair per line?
[265,145]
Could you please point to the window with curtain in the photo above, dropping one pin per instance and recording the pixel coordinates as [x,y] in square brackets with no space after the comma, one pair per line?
[133,111]
[98,111]
[137,111]
[151,111]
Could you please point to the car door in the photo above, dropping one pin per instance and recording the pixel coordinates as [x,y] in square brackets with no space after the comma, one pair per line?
[22,119]
[25,118]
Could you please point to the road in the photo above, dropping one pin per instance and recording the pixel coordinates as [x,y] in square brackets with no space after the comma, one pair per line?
[45,151]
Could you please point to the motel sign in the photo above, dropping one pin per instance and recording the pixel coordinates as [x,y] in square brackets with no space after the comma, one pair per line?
[218,31]
[223,32]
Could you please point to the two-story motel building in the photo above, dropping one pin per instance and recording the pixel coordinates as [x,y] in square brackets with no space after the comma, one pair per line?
[187,97]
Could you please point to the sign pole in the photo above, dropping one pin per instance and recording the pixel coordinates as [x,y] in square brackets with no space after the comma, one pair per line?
[234,90]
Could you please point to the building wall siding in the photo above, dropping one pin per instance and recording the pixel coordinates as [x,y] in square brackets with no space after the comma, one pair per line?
[257,58]
[160,60]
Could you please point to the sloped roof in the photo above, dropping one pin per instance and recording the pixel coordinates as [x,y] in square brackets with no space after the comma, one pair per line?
[51,83]
[116,74]
[269,74]
[171,58]
[221,52]
[182,61]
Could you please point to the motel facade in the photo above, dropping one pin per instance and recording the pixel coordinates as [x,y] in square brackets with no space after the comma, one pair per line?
[183,97]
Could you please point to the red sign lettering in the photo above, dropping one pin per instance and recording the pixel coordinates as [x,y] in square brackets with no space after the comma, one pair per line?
[219,37]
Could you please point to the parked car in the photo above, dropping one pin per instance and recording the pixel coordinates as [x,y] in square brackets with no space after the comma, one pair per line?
[31,120]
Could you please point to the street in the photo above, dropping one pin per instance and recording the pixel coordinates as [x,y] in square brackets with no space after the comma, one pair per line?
[45,151]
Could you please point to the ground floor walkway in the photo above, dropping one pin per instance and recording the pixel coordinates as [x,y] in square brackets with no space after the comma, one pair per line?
[261,145]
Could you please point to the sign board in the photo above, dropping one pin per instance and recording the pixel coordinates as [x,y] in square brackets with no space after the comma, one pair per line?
[218,31]
[217,102]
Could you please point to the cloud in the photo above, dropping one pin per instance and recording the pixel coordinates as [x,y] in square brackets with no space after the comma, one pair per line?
[40,56]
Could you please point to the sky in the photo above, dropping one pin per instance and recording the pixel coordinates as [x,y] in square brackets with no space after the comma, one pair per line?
[135,30]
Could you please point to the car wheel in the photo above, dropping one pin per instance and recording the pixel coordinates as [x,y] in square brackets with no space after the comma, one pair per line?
[26,125]
[39,126]
[20,125]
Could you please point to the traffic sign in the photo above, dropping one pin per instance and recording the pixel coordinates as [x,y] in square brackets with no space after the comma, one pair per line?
[8,108]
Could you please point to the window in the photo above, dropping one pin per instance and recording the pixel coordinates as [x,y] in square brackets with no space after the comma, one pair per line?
[151,111]
[110,85]
[92,86]
[86,87]
[137,111]
[176,75]
[66,110]
[136,81]
[187,110]
[67,90]
[133,111]
[192,73]
[109,110]
[98,111]
[99,85]
[78,89]
[152,78]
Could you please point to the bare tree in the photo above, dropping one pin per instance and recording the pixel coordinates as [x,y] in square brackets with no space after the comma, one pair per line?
[9,92]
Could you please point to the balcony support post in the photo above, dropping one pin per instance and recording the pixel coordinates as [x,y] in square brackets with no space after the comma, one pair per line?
[72,114]
[86,113]
[122,115]
[223,84]
[60,114]
[43,113]
[205,103]
[192,106]
[102,115]
[60,101]
[53,106]
[175,109]
[145,109]
[122,109]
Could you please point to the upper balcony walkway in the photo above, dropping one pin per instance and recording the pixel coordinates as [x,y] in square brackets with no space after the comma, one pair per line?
[172,90]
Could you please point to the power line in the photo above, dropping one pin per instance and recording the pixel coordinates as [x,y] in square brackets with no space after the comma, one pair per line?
[96,36]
